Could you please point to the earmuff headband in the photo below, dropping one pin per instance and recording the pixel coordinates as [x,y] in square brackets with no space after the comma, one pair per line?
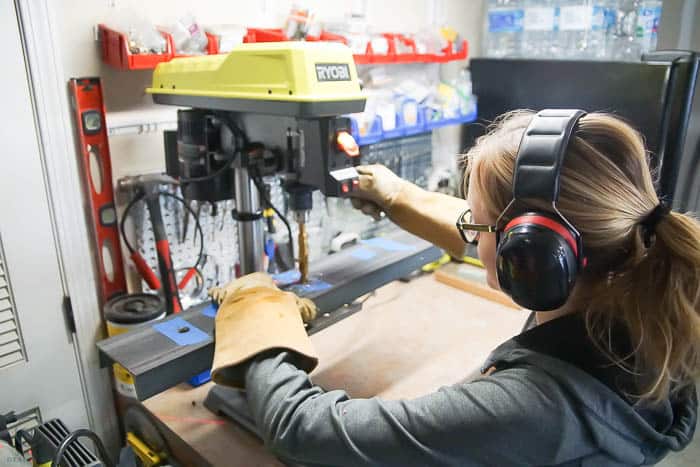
[541,154]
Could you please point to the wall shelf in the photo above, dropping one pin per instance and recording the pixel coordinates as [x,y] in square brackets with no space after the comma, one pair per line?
[401,49]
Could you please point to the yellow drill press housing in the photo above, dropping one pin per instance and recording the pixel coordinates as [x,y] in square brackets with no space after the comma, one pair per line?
[302,79]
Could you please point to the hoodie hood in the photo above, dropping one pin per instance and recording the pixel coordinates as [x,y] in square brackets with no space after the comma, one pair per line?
[626,432]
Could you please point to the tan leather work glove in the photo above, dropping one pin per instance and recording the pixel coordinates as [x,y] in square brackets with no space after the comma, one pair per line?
[378,190]
[255,316]
[306,307]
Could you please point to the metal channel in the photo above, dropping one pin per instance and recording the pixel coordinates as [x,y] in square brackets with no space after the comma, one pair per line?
[157,363]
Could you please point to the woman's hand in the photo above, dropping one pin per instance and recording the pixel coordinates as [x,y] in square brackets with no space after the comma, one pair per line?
[378,190]
[255,316]
[249,281]
[428,215]
[234,290]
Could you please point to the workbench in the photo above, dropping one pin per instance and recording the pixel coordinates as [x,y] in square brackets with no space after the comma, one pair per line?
[408,340]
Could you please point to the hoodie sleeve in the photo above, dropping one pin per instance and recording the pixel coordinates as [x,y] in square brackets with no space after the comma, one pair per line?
[516,416]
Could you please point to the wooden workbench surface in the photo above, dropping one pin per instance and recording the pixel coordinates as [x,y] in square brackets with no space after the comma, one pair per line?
[409,340]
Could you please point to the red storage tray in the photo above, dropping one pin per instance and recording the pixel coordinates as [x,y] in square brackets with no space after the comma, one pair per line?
[115,51]
[212,45]
[393,55]
[264,35]
[327,37]
[447,54]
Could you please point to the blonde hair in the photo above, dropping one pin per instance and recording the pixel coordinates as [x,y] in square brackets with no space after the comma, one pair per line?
[651,288]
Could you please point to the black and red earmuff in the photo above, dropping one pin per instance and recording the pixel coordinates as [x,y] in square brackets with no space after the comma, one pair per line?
[539,254]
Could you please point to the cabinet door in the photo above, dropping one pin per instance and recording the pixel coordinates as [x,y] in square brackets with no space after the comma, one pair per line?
[38,364]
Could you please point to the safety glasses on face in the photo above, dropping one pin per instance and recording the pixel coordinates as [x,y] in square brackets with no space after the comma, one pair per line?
[470,231]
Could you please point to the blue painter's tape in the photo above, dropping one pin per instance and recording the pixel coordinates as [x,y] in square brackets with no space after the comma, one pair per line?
[181,332]
[310,287]
[202,378]
[388,244]
[283,279]
[210,310]
[270,249]
[363,254]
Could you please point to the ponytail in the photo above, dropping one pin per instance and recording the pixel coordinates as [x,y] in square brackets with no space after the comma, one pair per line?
[656,295]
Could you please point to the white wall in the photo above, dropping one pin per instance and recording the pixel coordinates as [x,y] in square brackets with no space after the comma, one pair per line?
[124,90]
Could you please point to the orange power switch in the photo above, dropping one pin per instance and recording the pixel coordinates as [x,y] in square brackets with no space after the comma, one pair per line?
[345,187]
[347,144]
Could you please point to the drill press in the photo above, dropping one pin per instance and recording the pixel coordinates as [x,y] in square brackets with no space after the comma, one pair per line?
[263,109]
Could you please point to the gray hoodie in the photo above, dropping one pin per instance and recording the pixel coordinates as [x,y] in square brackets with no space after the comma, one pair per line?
[534,409]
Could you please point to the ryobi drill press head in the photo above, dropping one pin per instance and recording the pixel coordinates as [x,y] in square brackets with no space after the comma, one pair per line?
[262,109]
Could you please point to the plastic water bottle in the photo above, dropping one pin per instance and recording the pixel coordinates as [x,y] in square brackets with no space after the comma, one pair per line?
[575,22]
[602,23]
[504,28]
[539,34]
[625,46]
[648,16]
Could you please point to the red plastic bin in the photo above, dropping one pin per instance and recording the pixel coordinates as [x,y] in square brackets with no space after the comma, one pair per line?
[393,55]
[327,37]
[212,45]
[264,35]
[115,51]
[447,55]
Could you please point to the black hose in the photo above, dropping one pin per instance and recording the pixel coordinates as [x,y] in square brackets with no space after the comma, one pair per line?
[19,436]
[71,438]
[122,229]
[263,194]
[198,225]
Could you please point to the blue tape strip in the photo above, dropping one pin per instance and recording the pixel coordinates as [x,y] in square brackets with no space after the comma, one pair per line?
[270,249]
[202,378]
[283,279]
[388,244]
[310,287]
[210,310]
[362,254]
[181,332]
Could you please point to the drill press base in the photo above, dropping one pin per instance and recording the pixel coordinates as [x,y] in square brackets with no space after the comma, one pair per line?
[231,403]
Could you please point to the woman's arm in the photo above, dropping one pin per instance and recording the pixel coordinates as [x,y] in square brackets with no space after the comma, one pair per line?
[429,215]
[508,419]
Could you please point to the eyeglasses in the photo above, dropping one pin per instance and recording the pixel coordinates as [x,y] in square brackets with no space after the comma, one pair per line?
[470,231]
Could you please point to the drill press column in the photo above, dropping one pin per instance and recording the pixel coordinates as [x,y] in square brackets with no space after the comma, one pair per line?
[250,228]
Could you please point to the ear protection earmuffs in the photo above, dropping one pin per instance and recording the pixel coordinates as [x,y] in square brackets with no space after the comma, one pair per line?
[539,254]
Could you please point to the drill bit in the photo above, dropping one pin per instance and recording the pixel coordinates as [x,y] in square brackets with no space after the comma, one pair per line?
[303,240]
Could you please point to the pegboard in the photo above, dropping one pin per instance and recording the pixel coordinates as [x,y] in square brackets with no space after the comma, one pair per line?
[220,243]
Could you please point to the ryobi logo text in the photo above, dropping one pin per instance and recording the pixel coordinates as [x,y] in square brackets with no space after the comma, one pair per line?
[332,72]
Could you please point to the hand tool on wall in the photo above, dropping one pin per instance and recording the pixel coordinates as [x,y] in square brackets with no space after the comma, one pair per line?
[148,189]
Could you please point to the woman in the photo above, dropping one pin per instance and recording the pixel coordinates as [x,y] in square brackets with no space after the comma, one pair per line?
[606,379]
